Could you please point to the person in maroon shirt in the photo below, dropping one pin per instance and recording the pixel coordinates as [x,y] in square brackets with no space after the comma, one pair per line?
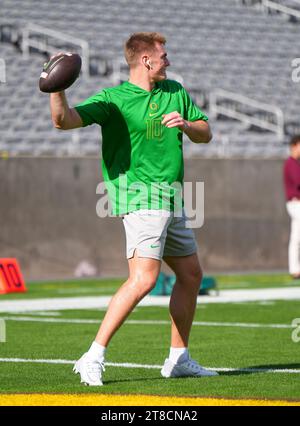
[291,174]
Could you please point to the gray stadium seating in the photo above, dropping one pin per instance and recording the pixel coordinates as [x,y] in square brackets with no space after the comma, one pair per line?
[211,44]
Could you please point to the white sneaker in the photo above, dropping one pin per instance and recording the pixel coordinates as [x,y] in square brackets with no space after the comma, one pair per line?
[90,370]
[189,368]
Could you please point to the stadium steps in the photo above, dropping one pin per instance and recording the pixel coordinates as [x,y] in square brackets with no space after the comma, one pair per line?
[225,45]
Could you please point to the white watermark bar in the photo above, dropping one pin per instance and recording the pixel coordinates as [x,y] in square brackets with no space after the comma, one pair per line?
[182,199]
[296,70]
[2,71]
[296,331]
[2,331]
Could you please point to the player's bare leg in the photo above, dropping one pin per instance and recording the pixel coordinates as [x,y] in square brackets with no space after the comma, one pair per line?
[182,309]
[143,273]
[184,296]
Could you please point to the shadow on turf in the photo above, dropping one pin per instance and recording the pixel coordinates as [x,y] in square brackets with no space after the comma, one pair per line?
[254,369]
[243,371]
[132,379]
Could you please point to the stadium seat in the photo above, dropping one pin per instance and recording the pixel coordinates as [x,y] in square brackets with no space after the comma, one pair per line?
[225,45]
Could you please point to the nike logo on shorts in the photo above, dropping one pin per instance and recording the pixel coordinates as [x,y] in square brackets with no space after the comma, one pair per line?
[152,246]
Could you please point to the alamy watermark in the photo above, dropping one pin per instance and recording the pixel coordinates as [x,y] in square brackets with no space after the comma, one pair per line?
[2,71]
[296,331]
[2,331]
[121,197]
[296,70]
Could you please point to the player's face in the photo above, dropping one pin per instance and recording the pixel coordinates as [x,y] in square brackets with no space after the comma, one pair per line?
[159,62]
[295,150]
[298,150]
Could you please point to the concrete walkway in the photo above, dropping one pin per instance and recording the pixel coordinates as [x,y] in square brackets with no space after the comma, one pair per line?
[96,302]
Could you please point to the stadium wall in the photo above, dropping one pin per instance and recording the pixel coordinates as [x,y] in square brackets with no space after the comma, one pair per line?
[49,221]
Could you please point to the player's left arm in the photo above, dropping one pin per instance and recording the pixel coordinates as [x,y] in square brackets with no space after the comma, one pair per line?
[198,131]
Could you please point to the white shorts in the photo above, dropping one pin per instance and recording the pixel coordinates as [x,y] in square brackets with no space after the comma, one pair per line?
[157,233]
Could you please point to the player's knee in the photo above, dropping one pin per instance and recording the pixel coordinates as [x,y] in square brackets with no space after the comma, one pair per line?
[148,283]
[191,279]
[195,276]
[144,283]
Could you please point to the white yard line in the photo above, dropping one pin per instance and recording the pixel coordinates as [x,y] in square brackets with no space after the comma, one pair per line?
[145,322]
[146,366]
[98,302]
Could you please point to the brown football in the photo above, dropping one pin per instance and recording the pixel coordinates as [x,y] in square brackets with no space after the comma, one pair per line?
[60,72]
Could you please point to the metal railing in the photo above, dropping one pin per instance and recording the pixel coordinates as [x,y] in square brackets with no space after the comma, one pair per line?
[30,40]
[248,118]
[287,10]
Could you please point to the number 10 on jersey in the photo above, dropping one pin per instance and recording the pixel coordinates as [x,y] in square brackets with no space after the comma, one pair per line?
[154,129]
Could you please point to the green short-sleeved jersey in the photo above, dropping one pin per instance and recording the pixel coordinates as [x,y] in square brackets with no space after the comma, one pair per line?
[141,160]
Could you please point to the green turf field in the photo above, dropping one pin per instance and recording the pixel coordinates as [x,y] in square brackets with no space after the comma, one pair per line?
[254,352]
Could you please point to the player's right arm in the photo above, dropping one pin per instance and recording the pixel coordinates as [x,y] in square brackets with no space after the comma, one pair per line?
[63,117]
